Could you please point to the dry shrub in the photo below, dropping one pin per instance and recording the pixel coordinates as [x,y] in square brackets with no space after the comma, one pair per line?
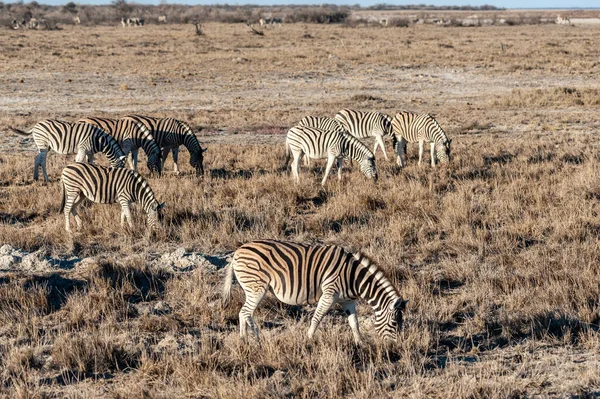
[557,97]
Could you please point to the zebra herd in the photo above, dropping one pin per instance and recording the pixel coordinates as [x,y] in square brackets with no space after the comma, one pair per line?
[298,274]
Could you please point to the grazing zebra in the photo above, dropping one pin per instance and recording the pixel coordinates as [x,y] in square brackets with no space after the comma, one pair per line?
[318,144]
[410,127]
[131,135]
[71,138]
[323,123]
[106,186]
[169,134]
[301,274]
[367,124]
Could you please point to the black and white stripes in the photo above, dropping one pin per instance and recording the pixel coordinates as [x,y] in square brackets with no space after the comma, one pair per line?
[367,124]
[410,127]
[72,138]
[106,186]
[318,144]
[301,274]
[169,134]
[130,135]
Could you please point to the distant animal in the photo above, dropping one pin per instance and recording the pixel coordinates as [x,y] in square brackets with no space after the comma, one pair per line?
[262,22]
[562,21]
[273,22]
[367,124]
[131,135]
[162,18]
[319,144]
[169,134]
[106,186]
[384,22]
[71,138]
[33,23]
[422,128]
[301,274]
[323,123]
[15,24]
[76,20]
[124,22]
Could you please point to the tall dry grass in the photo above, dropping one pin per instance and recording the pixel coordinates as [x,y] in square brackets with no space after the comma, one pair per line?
[498,254]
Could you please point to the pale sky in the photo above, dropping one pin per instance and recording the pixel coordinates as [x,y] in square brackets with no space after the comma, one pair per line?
[364,3]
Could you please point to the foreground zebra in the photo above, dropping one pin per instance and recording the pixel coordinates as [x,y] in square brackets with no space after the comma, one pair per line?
[130,135]
[106,186]
[71,138]
[318,144]
[169,134]
[300,274]
[410,128]
[366,124]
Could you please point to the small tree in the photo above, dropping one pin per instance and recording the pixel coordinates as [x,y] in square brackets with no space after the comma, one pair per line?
[70,8]
[122,6]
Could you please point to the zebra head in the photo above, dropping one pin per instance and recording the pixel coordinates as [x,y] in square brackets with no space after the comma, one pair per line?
[367,167]
[155,215]
[388,321]
[443,151]
[197,160]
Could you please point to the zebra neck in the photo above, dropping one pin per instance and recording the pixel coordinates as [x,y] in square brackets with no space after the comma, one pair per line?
[372,286]
[143,193]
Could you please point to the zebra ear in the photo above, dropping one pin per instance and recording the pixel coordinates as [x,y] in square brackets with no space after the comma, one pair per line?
[161,206]
[122,157]
[204,149]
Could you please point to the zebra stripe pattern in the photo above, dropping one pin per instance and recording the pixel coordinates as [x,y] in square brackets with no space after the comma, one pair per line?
[130,135]
[106,186]
[318,144]
[169,134]
[71,138]
[411,128]
[323,123]
[300,274]
[366,124]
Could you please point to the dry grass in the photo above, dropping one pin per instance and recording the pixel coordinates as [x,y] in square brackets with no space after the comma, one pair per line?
[498,253]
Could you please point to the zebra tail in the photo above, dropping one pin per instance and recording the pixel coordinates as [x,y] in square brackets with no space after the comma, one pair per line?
[64,196]
[287,153]
[227,283]
[19,131]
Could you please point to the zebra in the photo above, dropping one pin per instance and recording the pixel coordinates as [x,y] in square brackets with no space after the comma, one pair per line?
[131,135]
[169,134]
[106,186]
[410,127]
[365,124]
[318,144]
[301,274]
[71,138]
[323,123]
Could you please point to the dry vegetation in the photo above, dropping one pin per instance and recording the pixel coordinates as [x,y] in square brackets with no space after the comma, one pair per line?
[498,253]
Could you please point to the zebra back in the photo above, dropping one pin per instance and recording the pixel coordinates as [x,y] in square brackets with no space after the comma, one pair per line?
[323,123]
[109,185]
[365,124]
[299,273]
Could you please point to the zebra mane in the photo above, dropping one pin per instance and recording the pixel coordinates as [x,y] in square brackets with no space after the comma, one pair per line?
[359,144]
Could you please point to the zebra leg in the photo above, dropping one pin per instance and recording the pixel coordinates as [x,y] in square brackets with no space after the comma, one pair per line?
[350,309]
[81,155]
[134,159]
[296,166]
[399,149]
[325,303]
[36,165]
[76,203]
[175,157]
[421,145]
[306,160]
[432,150]
[70,204]
[125,213]
[165,154]
[90,158]
[330,161]
[379,139]
[339,166]
[253,298]
[43,156]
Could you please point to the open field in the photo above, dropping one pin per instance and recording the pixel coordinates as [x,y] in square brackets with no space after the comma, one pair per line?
[498,253]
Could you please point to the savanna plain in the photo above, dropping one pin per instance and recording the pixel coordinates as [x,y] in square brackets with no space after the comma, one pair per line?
[497,252]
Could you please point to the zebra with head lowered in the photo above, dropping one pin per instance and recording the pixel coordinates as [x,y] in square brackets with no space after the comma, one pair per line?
[411,128]
[301,274]
[106,186]
[319,144]
[366,124]
[169,134]
[131,135]
[71,138]
[323,123]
